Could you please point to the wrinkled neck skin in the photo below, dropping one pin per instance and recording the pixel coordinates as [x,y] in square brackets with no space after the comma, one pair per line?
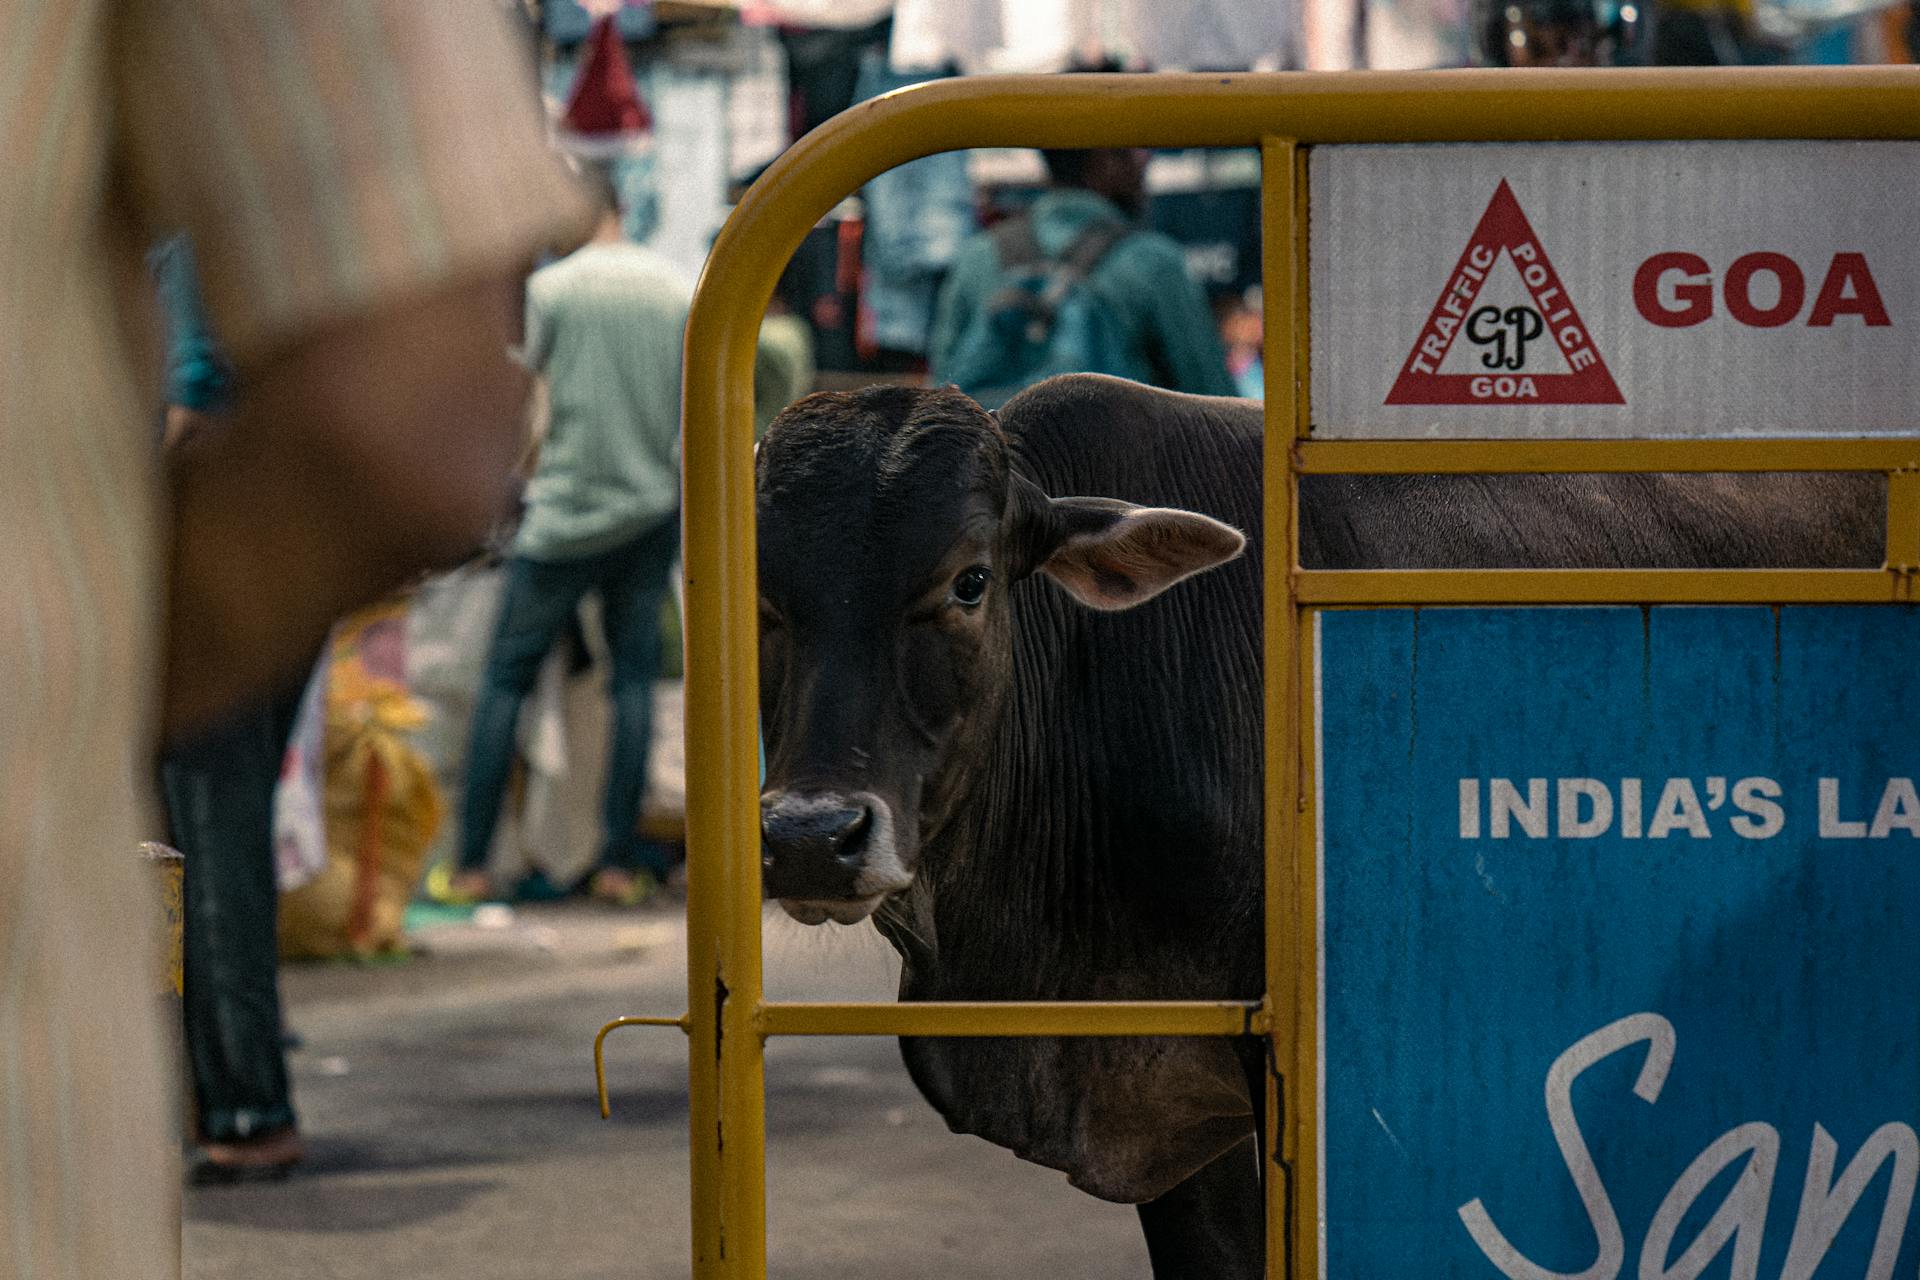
[1026,852]
[951,825]
[1015,900]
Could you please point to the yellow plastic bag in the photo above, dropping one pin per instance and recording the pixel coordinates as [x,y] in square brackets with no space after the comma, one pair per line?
[383,808]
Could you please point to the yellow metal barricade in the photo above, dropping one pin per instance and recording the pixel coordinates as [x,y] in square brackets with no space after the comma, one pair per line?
[728,1019]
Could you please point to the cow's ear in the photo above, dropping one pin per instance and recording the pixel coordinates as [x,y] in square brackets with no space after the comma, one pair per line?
[1110,555]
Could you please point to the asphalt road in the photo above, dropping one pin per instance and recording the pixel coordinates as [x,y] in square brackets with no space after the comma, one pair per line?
[449,1111]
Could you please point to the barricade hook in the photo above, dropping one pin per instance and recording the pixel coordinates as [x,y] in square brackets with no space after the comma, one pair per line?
[600,1057]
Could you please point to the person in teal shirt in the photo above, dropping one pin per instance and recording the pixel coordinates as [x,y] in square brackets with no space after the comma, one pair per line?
[1158,310]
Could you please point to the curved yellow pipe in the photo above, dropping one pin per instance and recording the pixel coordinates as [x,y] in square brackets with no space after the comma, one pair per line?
[600,1057]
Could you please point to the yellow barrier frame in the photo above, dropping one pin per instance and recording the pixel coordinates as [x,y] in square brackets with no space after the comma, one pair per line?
[728,1020]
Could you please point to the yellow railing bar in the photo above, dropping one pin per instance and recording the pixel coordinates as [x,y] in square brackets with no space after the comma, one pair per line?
[1597,586]
[1017,1018]
[600,1057]
[1300,389]
[1412,457]
[1305,1085]
[1283,274]
[1903,521]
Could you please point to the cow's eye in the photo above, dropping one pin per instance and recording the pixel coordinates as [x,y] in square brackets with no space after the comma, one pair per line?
[971,586]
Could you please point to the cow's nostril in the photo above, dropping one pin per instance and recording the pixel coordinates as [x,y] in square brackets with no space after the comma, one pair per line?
[837,830]
[826,846]
[851,842]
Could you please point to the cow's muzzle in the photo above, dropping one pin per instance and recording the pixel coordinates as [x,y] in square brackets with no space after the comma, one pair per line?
[829,855]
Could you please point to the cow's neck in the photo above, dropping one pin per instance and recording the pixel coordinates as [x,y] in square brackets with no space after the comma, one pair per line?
[1013,855]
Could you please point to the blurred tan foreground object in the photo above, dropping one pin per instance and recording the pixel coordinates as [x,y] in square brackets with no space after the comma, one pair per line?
[169,868]
[383,809]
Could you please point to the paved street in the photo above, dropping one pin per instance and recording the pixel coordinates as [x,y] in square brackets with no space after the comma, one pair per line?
[449,1109]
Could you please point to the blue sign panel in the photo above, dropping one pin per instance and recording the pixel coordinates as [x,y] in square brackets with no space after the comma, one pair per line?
[1620,942]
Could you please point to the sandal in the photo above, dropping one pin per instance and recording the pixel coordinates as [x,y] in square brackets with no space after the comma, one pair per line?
[266,1157]
[452,888]
[618,888]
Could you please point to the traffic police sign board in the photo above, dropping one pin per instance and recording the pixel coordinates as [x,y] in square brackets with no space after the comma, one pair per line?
[1618,965]
[1502,373]
[1614,289]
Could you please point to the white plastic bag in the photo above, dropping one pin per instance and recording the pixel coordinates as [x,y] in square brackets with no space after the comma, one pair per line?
[299,809]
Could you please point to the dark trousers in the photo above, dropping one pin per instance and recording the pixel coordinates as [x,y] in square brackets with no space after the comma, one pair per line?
[219,797]
[542,597]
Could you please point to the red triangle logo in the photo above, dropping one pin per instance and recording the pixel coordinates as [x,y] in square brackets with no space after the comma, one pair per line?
[1504,336]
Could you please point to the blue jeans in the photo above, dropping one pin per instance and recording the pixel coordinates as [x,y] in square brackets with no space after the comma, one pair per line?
[219,794]
[541,599]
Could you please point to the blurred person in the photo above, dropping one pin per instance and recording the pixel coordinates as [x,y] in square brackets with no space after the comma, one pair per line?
[1242,325]
[783,365]
[365,184]
[603,333]
[218,788]
[1073,285]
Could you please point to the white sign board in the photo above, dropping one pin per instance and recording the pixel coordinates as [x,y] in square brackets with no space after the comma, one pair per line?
[1594,290]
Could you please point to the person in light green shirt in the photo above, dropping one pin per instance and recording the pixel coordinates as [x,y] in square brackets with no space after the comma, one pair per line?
[1160,313]
[783,366]
[604,329]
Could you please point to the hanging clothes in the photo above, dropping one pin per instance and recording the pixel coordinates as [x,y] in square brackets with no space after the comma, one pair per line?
[825,14]
[690,163]
[823,67]
[1214,35]
[918,215]
[984,36]
[757,121]
[1054,35]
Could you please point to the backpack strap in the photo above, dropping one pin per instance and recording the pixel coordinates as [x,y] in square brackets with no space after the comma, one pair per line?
[1083,254]
[1017,247]
[1019,255]
[1092,245]
[1014,243]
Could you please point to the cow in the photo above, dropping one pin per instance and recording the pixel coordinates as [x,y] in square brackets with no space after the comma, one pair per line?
[1011,697]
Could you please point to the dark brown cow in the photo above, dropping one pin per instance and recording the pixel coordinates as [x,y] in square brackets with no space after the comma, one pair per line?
[988,729]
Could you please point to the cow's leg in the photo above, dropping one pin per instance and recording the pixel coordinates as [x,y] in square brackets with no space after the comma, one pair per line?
[1212,1226]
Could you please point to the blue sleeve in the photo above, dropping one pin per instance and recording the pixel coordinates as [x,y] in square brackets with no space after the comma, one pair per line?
[198,376]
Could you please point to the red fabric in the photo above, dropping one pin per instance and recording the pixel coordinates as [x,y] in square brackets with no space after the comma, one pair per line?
[606,103]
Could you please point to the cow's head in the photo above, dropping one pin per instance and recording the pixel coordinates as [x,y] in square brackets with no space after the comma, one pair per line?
[892,527]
